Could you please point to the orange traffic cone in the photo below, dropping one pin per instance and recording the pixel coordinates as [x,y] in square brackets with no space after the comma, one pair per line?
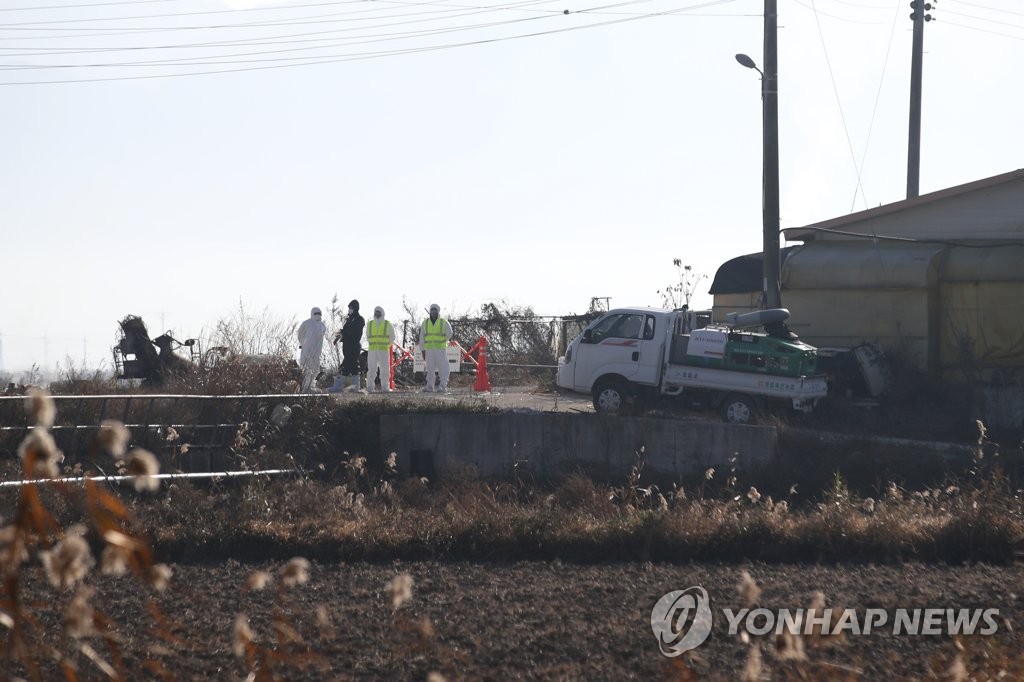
[483,382]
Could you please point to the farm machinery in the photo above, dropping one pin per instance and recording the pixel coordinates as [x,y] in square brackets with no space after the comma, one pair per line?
[136,356]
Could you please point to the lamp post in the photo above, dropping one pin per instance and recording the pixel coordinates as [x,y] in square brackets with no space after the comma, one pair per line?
[771,296]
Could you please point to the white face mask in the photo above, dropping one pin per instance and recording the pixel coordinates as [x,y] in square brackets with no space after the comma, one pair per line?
[377,316]
[351,311]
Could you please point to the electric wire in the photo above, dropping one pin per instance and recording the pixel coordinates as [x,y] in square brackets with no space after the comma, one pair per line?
[839,103]
[985,7]
[836,16]
[862,5]
[337,43]
[982,30]
[379,54]
[874,112]
[295,20]
[192,61]
[180,14]
[205,60]
[286,38]
[977,18]
[86,4]
[375,8]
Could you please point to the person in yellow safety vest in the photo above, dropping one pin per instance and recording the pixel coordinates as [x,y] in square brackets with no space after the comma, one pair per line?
[434,336]
[380,334]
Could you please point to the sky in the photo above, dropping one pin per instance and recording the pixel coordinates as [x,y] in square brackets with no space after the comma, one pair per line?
[406,152]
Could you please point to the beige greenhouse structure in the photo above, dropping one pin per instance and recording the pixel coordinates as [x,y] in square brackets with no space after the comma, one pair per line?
[938,279]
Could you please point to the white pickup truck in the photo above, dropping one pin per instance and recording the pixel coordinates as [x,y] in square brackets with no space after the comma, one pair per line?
[629,355]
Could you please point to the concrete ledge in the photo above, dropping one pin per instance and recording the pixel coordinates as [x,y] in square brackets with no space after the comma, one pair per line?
[550,444]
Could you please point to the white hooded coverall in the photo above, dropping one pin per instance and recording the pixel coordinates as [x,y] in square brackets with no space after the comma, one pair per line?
[311,340]
[379,333]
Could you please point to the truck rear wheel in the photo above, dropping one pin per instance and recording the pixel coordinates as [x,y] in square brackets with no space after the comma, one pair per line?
[611,396]
[739,409]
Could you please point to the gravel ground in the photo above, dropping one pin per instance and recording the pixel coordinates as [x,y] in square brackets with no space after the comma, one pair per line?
[541,620]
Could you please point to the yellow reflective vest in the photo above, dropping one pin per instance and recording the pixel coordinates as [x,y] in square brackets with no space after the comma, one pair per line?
[434,334]
[379,335]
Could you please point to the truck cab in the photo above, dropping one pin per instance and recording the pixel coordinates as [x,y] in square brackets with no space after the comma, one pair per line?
[623,345]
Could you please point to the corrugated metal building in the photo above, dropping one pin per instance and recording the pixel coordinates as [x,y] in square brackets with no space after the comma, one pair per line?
[939,277]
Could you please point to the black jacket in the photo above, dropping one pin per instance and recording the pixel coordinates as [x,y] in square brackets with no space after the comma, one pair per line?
[351,344]
[352,332]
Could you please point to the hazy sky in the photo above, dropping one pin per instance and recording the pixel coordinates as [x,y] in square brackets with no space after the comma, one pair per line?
[538,157]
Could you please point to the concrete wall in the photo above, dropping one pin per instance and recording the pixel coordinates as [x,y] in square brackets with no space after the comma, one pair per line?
[1002,410]
[550,444]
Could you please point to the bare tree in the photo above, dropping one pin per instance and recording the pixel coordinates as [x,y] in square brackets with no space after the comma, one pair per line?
[249,333]
[680,293]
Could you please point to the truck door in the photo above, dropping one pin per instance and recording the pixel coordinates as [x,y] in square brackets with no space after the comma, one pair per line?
[648,366]
[611,346]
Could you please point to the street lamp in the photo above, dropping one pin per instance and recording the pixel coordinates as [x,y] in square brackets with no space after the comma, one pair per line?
[771,296]
[749,63]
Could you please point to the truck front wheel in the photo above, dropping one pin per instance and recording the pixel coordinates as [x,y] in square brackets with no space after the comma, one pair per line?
[611,396]
[739,409]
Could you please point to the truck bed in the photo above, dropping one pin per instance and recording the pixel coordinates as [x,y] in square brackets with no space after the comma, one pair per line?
[679,376]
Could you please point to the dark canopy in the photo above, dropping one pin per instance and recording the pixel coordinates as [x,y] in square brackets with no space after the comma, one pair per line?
[743,274]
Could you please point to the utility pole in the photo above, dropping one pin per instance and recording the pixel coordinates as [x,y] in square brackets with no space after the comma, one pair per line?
[914,138]
[770,200]
[771,295]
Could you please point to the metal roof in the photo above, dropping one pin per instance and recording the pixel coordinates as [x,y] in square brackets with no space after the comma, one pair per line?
[846,221]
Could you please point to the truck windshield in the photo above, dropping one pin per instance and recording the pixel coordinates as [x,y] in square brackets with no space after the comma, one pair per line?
[624,326]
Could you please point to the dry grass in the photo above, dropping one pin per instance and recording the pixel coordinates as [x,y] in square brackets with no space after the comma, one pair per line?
[373,517]
[78,533]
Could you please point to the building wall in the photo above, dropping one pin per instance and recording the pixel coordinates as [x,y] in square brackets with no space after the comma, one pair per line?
[724,304]
[982,309]
[953,309]
[896,319]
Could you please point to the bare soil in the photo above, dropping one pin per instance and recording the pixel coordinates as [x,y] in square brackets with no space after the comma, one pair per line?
[535,620]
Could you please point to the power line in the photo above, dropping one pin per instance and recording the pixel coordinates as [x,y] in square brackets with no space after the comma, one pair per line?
[839,102]
[977,18]
[986,7]
[191,61]
[285,21]
[862,5]
[329,59]
[285,39]
[835,16]
[293,21]
[181,14]
[336,43]
[874,111]
[88,4]
[376,8]
[982,30]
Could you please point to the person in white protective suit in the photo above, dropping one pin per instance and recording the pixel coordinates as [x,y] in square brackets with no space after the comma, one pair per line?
[380,334]
[434,336]
[311,343]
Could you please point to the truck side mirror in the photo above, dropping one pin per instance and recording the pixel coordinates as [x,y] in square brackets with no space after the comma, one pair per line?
[586,335]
